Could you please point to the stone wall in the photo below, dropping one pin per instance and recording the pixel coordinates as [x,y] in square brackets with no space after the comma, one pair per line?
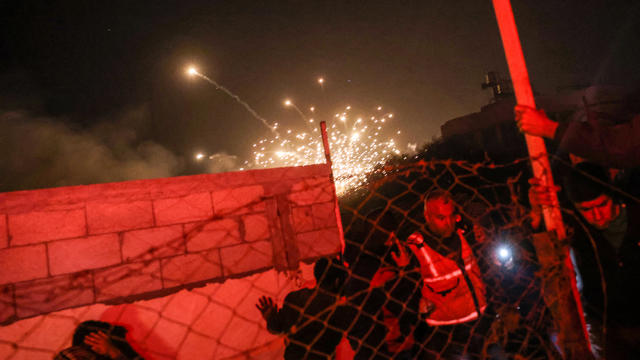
[112,243]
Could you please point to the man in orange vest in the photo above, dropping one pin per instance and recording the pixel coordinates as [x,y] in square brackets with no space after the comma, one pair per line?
[453,293]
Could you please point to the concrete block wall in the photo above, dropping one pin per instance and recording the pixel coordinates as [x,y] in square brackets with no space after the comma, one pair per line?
[118,242]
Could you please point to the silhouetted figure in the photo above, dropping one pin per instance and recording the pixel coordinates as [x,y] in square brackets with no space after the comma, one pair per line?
[383,293]
[98,340]
[309,317]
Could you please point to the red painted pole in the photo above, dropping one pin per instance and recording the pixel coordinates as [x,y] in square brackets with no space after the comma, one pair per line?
[535,145]
[524,96]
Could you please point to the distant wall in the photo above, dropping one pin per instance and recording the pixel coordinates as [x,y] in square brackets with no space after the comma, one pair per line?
[113,243]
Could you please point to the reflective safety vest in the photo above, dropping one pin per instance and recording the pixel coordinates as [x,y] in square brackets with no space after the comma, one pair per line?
[446,294]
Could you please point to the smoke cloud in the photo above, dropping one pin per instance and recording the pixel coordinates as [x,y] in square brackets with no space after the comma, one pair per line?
[40,151]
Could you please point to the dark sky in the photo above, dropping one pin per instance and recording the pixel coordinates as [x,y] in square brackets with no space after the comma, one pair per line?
[114,70]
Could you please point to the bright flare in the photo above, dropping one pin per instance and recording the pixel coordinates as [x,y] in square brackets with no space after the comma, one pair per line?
[191,71]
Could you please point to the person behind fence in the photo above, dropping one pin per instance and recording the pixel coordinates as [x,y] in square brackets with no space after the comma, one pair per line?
[453,293]
[613,228]
[98,340]
[383,293]
[306,314]
[615,145]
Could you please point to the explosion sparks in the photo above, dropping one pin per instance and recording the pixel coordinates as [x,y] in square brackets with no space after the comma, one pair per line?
[356,143]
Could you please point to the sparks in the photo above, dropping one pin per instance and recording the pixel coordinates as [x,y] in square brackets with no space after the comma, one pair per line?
[354,153]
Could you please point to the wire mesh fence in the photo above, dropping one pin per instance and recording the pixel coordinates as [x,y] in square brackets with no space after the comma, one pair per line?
[400,289]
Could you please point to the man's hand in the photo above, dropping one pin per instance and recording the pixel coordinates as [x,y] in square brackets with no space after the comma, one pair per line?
[267,307]
[479,233]
[100,344]
[540,196]
[535,122]
[402,257]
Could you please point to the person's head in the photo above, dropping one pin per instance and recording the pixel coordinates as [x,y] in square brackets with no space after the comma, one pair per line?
[440,213]
[329,274]
[587,187]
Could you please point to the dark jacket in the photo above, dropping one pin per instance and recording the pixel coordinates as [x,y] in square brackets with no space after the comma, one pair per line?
[620,268]
[611,145]
[304,318]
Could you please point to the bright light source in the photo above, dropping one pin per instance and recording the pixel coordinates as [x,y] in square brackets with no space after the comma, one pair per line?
[504,256]
[287,102]
[192,71]
[199,156]
[320,80]
[504,253]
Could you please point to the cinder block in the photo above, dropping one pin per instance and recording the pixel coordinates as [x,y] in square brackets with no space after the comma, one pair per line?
[311,191]
[238,200]
[190,268]
[4,235]
[214,234]
[126,280]
[324,215]
[47,295]
[39,226]
[318,243]
[91,252]
[193,207]
[23,263]
[244,258]
[256,227]
[104,217]
[302,219]
[7,304]
[153,243]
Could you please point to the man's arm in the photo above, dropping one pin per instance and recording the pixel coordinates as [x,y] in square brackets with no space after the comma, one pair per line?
[615,146]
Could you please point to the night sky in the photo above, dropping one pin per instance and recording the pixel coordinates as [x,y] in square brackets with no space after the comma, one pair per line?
[94,91]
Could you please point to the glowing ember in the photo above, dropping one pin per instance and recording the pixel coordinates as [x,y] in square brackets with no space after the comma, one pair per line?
[191,71]
[356,145]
